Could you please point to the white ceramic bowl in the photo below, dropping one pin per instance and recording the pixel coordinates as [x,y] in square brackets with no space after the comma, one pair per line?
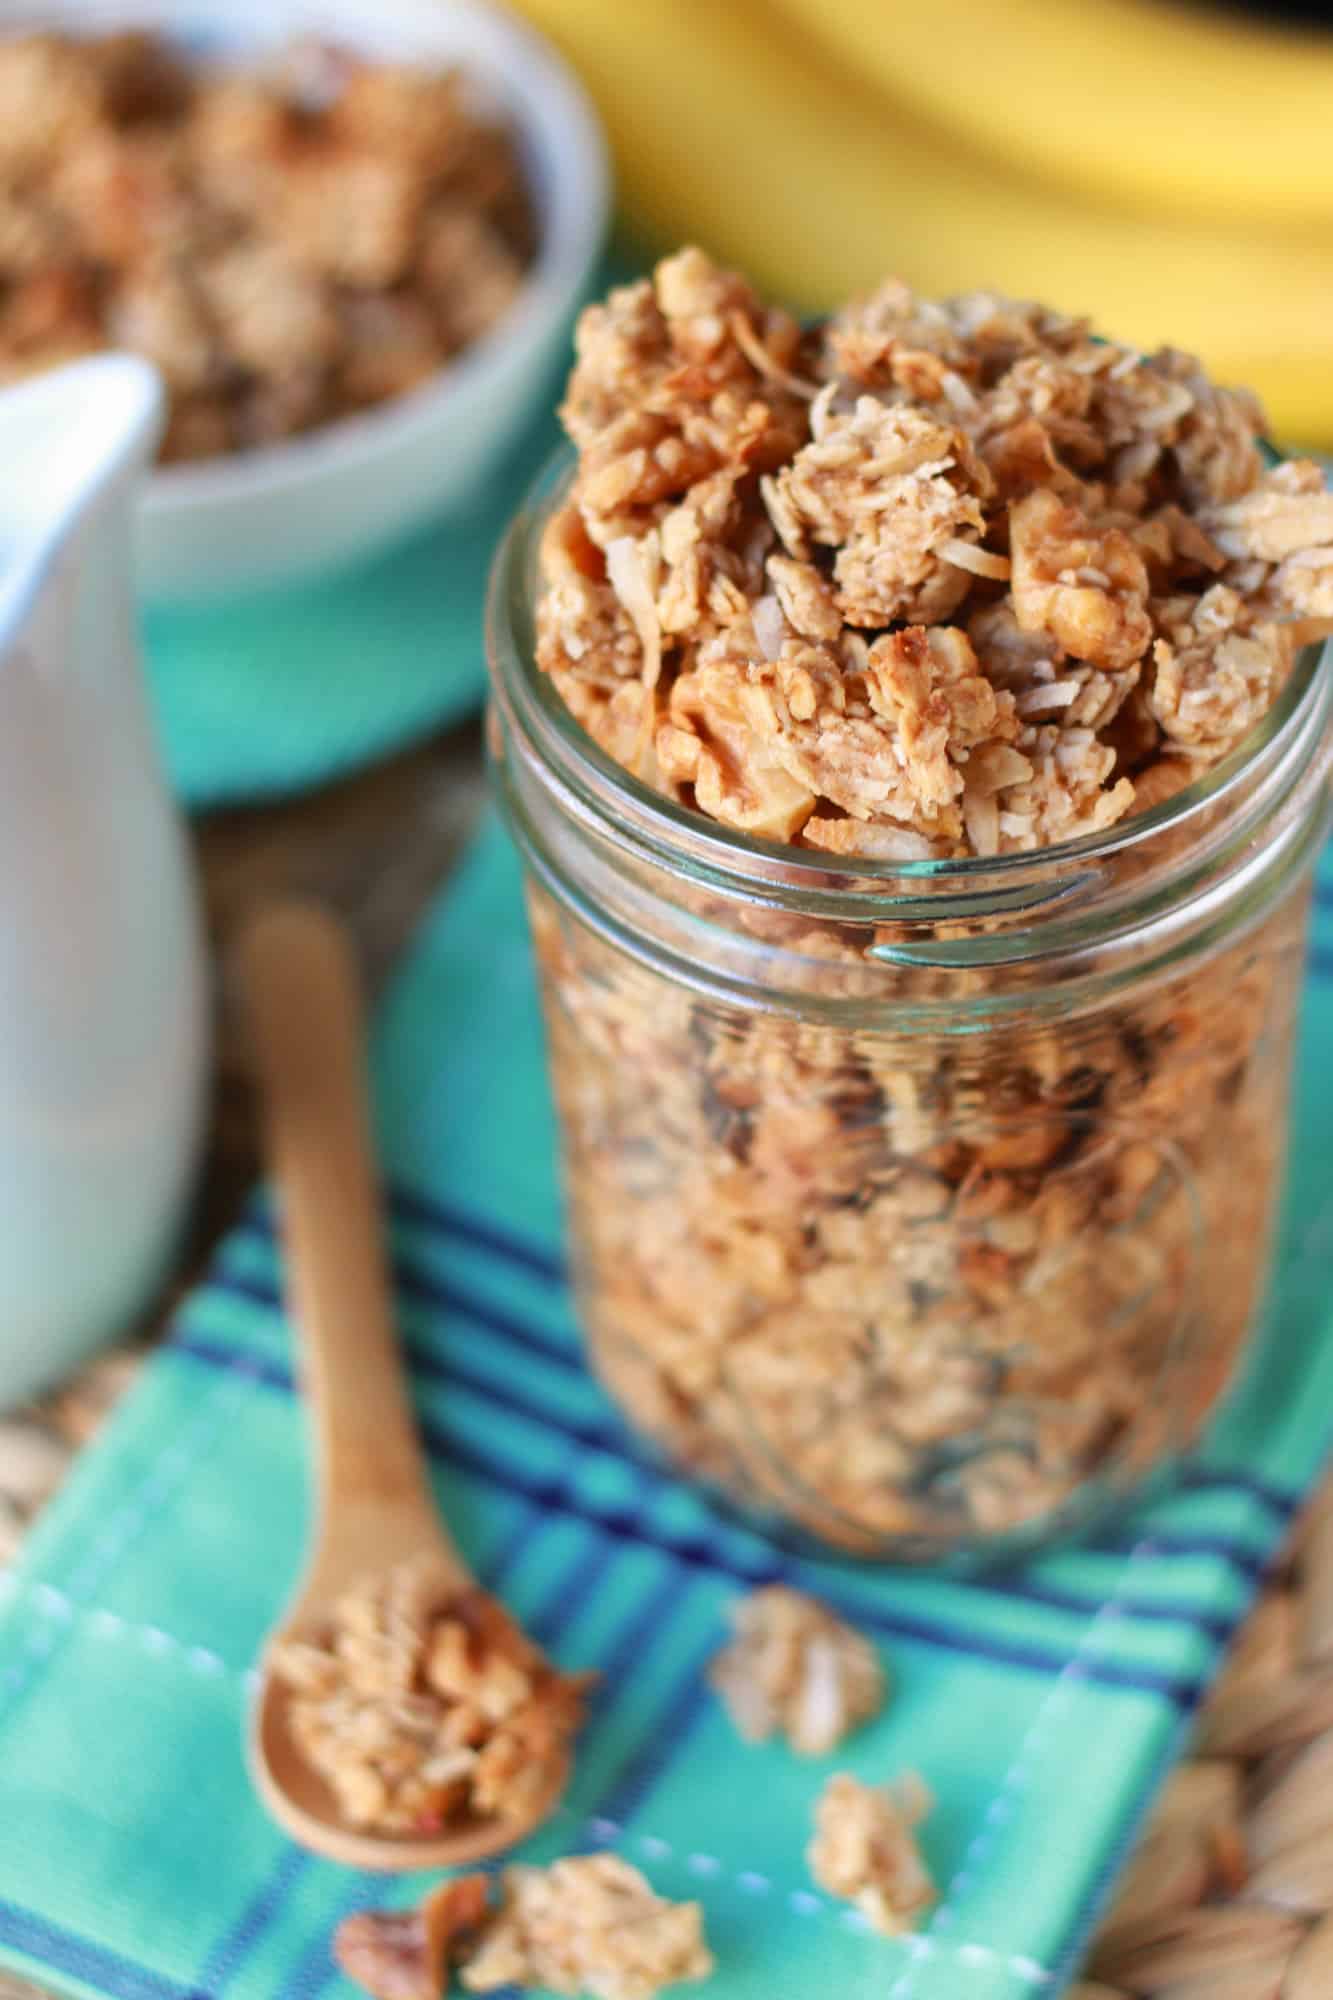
[316,502]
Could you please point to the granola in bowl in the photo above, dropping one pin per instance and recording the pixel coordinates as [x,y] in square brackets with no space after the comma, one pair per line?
[913,731]
[288,243]
[419,1712]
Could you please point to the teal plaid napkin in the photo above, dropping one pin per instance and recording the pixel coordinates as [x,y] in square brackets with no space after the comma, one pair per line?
[1041,1706]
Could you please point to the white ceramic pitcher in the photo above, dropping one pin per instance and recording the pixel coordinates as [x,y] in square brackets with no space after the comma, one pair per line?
[102,996]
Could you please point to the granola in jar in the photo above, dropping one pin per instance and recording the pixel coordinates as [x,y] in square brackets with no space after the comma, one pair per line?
[421,1710]
[288,243]
[912,729]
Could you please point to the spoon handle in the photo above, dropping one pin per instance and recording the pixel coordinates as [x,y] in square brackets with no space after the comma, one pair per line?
[298,977]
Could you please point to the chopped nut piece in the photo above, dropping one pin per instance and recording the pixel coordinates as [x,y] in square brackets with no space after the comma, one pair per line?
[588,1924]
[796,1668]
[418,1710]
[1087,588]
[406,1954]
[865,1850]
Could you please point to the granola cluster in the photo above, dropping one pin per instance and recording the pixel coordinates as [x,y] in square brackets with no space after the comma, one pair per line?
[287,245]
[587,1924]
[909,1290]
[420,1708]
[409,1954]
[865,1851]
[929,580]
[913,1252]
[794,1668]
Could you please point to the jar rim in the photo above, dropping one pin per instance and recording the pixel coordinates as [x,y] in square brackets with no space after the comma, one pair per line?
[728,852]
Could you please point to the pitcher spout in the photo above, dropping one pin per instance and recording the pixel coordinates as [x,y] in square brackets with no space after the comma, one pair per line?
[66,439]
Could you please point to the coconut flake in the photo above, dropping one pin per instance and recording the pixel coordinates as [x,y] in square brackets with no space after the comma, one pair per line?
[957,391]
[1047,697]
[880,841]
[627,570]
[820,1717]
[770,627]
[763,363]
[995,766]
[981,562]
[981,817]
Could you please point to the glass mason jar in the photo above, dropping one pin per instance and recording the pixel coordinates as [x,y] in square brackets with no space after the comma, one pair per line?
[924,1207]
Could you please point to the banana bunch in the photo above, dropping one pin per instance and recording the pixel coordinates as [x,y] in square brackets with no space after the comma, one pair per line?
[1168,175]
[1164,107]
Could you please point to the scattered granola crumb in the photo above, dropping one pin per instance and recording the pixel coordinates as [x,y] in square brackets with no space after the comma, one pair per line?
[588,1924]
[420,1709]
[406,1954]
[287,245]
[795,1667]
[865,1850]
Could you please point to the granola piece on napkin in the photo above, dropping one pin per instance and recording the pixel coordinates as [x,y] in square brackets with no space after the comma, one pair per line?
[865,1850]
[796,1668]
[588,1924]
[406,1954]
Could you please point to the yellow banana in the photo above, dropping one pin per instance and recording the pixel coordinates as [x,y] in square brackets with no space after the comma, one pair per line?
[1167,106]
[731,128]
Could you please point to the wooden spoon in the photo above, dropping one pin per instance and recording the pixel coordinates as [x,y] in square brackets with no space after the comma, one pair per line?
[374,1506]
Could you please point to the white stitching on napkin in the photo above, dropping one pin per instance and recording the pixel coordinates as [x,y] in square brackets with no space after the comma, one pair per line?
[128,1522]
[105,1624]
[116,1536]
[920,1947]
[805,1903]
[202,1661]
[1004,1804]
